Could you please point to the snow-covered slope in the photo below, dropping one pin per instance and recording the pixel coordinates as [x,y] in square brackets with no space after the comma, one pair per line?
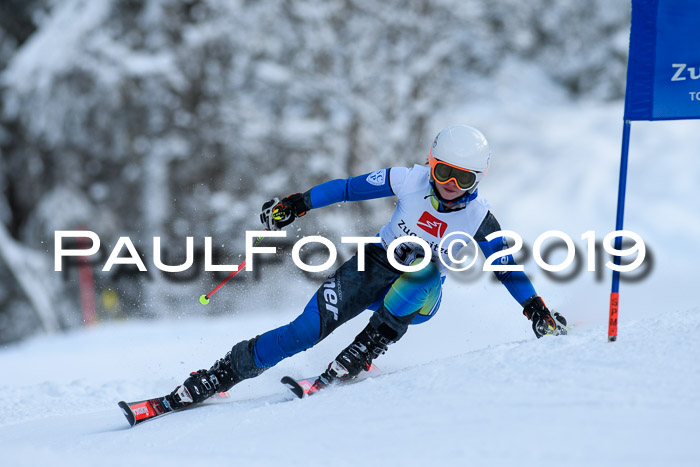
[470,387]
[574,400]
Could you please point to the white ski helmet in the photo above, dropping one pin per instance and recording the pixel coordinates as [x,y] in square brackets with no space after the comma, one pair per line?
[460,147]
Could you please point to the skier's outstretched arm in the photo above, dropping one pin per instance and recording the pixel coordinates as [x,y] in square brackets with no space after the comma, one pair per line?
[518,284]
[378,184]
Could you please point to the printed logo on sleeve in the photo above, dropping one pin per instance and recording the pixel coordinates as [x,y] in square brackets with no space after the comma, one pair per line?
[432,224]
[377,178]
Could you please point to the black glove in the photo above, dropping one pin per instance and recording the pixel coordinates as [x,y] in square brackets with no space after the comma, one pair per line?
[277,214]
[543,322]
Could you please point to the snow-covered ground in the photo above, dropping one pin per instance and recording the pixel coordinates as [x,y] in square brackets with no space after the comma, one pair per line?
[516,401]
[470,387]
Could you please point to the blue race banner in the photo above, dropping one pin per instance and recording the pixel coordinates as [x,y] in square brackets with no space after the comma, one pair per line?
[663,71]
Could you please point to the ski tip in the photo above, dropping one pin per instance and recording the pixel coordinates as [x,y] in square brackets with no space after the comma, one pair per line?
[293,386]
[130,417]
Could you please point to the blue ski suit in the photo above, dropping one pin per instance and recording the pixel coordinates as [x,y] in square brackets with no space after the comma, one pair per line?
[402,298]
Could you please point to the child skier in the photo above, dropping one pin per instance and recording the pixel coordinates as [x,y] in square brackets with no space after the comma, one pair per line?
[433,201]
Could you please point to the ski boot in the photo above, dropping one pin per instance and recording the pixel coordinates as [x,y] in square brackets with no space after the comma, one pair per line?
[203,384]
[368,345]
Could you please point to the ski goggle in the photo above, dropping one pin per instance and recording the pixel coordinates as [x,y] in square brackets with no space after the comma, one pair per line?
[443,172]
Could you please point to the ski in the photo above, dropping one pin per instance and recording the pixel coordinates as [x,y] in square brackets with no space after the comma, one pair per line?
[142,411]
[138,412]
[307,387]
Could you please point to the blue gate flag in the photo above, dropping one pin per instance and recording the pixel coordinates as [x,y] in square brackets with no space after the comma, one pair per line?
[663,70]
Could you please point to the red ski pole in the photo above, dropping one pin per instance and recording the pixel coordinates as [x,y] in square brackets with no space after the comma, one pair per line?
[204,299]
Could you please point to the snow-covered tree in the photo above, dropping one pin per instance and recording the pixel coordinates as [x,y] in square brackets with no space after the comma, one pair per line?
[179,118]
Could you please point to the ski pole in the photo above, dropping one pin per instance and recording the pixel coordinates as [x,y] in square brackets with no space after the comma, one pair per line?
[204,299]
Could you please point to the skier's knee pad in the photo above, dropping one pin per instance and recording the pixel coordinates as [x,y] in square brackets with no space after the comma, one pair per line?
[430,307]
[412,290]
